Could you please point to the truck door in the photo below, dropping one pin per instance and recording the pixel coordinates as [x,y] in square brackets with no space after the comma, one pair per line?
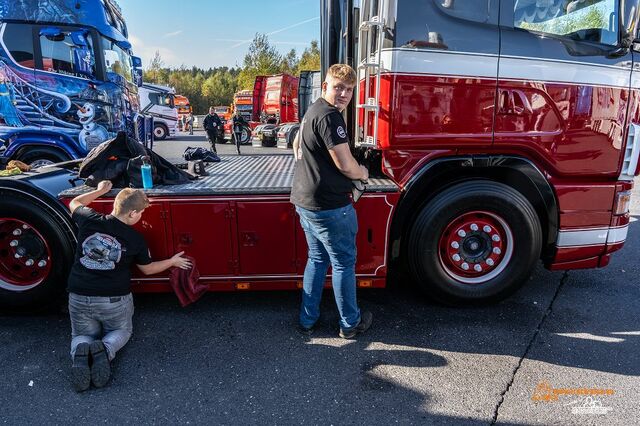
[438,73]
[563,86]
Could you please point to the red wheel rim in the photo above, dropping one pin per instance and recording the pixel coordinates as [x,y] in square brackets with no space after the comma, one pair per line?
[25,256]
[475,247]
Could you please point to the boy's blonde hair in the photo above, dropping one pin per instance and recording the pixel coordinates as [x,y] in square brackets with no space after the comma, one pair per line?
[128,200]
[342,72]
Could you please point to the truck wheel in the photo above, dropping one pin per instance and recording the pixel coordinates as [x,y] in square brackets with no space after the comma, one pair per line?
[39,157]
[160,132]
[475,243]
[269,142]
[245,136]
[35,255]
[292,136]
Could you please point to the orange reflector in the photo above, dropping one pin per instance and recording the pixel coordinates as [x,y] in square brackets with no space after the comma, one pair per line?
[365,283]
[242,286]
[299,284]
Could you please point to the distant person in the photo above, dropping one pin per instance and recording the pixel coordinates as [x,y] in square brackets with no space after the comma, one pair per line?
[190,123]
[99,285]
[238,123]
[321,192]
[212,125]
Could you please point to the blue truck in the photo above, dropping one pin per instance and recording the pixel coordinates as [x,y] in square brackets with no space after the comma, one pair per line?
[68,80]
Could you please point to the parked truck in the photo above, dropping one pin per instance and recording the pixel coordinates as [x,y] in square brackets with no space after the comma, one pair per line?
[68,80]
[159,102]
[242,102]
[275,102]
[309,90]
[505,135]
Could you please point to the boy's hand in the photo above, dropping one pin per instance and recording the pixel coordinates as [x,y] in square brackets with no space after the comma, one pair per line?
[180,262]
[105,186]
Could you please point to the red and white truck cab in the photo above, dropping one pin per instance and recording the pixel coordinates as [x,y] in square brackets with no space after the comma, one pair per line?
[499,133]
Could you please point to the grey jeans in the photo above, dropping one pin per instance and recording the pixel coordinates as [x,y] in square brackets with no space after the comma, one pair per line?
[106,318]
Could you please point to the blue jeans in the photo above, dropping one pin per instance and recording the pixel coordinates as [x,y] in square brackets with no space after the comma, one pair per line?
[331,238]
[106,318]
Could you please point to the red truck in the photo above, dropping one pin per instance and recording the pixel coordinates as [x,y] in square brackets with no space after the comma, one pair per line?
[498,138]
[275,102]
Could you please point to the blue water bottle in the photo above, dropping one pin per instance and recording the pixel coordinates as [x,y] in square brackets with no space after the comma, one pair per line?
[147,180]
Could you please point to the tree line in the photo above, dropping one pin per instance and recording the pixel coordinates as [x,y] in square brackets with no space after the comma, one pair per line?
[216,86]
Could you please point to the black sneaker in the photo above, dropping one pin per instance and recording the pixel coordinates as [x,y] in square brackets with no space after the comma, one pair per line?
[100,368]
[365,322]
[305,331]
[80,372]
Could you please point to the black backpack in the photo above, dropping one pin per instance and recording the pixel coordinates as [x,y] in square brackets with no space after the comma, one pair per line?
[194,154]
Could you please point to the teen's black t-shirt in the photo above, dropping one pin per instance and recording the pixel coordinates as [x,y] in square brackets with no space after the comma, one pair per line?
[106,250]
[317,182]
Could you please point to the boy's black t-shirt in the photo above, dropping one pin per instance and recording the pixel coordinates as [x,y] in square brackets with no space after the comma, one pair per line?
[106,250]
[317,182]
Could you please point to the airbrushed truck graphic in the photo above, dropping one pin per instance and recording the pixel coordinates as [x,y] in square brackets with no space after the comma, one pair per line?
[68,81]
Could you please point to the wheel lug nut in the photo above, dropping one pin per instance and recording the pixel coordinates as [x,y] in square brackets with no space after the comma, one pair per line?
[465,266]
[29,262]
[455,245]
[490,262]
[461,233]
[486,229]
[478,268]
[474,227]
[17,255]
[42,263]
[497,250]
[13,243]
[456,257]
[25,227]
[17,232]
[495,237]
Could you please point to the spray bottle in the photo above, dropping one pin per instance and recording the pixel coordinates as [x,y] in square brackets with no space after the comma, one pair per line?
[147,180]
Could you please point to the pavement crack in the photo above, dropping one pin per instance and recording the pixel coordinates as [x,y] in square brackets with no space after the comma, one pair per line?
[564,278]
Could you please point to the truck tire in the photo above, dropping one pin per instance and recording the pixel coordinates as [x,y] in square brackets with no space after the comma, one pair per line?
[291,137]
[474,243]
[160,132]
[39,157]
[245,136]
[269,142]
[36,253]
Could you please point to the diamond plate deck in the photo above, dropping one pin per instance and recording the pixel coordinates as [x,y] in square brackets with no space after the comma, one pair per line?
[241,175]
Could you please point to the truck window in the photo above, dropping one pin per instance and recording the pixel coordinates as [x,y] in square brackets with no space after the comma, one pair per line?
[67,52]
[19,41]
[454,25]
[580,20]
[117,60]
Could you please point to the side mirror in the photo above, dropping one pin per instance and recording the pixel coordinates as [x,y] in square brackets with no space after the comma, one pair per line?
[628,21]
[124,44]
[136,62]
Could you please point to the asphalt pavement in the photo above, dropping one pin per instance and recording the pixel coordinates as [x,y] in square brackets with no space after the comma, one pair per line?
[235,358]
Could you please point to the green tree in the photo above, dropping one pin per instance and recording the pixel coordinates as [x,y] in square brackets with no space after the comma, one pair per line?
[152,73]
[219,88]
[310,59]
[289,63]
[262,59]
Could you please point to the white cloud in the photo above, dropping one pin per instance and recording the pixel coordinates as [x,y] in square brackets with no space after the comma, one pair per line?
[297,24]
[147,52]
[173,34]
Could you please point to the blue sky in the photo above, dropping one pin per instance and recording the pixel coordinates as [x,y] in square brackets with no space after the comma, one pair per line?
[209,33]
